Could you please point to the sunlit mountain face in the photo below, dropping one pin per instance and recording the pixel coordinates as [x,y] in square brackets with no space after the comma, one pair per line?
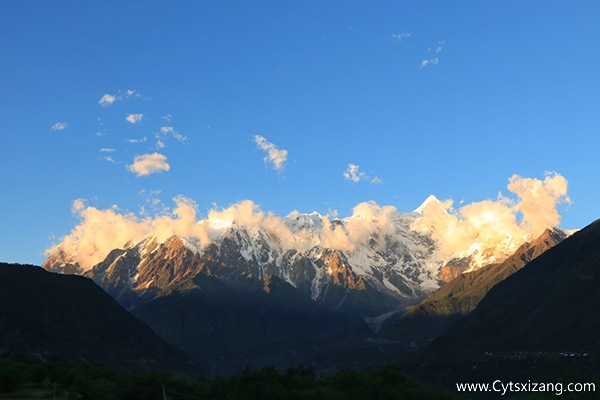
[399,256]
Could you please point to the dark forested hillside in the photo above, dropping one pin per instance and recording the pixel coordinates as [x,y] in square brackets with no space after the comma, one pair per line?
[47,314]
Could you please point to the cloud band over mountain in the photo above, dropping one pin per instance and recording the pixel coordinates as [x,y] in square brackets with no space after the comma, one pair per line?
[500,225]
[477,228]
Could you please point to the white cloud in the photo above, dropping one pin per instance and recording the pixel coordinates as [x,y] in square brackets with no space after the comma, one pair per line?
[134,118]
[153,205]
[430,61]
[480,229]
[59,126]
[402,36]
[148,164]
[131,93]
[101,231]
[353,174]
[167,117]
[109,99]
[276,156]
[108,157]
[433,60]
[142,140]
[488,227]
[169,130]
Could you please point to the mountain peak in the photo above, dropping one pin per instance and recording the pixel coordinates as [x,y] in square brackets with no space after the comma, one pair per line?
[429,200]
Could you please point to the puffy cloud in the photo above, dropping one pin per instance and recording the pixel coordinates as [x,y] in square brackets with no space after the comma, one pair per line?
[276,156]
[490,228]
[100,231]
[134,118]
[59,126]
[368,219]
[107,100]
[484,229]
[539,200]
[353,174]
[148,164]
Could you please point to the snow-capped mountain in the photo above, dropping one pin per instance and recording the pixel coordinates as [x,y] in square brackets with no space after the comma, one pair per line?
[372,262]
[392,263]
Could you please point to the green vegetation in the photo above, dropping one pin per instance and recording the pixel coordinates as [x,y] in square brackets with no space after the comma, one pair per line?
[26,377]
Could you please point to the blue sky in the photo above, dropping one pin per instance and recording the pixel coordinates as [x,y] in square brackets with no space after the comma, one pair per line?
[449,98]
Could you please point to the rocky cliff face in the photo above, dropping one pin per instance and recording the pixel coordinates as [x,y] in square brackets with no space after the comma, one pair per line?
[392,269]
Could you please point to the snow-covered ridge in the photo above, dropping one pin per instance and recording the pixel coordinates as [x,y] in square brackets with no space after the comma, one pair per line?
[377,248]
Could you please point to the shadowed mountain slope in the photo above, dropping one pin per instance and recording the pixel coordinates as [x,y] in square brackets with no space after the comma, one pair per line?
[228,325]
[460,296]
[69,316]
[550,305]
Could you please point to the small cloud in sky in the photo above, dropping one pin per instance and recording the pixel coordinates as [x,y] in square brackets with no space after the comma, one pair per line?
[153,204]
[430,61]
[166,131]
[402,36]
[106,151]
[169,130]
[134,118]
[108,99]
[167,117]
[353,174]
[148,164]
[275,156]
[59,126]
[132,93]
[436,50]
[142,140]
